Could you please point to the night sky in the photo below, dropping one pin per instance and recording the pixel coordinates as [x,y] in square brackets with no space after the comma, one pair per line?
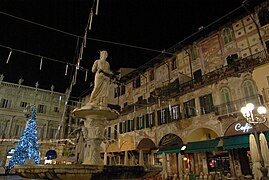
[132,31]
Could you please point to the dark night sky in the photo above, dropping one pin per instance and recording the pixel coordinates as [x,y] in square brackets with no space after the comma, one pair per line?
[152,24]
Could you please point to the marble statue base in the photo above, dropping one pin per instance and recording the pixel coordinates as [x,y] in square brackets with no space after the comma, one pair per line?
[95,123]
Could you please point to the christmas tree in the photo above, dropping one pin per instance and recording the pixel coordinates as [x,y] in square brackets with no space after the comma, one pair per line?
[27,147]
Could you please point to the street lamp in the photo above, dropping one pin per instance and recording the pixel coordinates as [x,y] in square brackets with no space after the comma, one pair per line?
[255,119]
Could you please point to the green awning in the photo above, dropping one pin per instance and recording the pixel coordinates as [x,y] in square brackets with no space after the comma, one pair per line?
[169,149]
[202,146]
[235,142]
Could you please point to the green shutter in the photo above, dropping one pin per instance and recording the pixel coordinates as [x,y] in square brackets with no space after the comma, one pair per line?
[153,119]
[109,133]
[120,127]
[159,117]
[132,125]
[137,123]
[147,120]
[129,125]
[167,115]
[143,122]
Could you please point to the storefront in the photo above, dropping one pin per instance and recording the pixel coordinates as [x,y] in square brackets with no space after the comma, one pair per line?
[169,155]
[236,142]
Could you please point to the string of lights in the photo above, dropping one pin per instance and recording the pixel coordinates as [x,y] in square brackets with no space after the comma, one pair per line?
[42,58]
[88,38]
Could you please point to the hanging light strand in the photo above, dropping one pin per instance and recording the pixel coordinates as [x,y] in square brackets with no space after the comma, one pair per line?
[97,7]
[10,52]
[66,69]
[86,75]
[41,62]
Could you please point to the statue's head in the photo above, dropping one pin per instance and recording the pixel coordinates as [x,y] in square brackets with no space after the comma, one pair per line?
[103,54]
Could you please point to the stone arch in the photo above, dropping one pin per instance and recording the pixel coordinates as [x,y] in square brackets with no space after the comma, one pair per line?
[170,140]
[201,133]
[146,143]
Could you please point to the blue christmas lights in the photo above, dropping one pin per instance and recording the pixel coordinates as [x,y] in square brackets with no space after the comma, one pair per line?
[27,147]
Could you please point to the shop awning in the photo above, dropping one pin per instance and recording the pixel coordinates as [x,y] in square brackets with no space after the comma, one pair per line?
[235,142]
[169,149]
[202,146]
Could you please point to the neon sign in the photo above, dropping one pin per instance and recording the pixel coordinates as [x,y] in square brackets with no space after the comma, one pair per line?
[245,128]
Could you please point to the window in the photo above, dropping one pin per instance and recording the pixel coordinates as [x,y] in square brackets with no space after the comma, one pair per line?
[41,108]
[5,103]
[175,113]
[189,108]
[163,116]
[121,130]
[206,104]
[116,92]
[263,16]
[248,88]
[23,104]
[173,63]
[123,89]
[225,95]
[128,125]
[56,109]
[150,122]
[267,78]
[136,82]
[194,52]
[227,35]
[52,133]
[125,104]
[140,98]
[151,75]
[139,122]
[132,125]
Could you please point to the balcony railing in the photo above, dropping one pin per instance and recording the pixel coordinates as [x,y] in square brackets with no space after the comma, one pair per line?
[176,89]
[234,69]
[234,107]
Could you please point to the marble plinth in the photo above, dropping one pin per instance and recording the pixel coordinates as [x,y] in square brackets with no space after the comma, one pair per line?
[83,172]
[95,123]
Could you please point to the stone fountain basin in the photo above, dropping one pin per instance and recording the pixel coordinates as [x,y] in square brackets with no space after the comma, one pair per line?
[81,172]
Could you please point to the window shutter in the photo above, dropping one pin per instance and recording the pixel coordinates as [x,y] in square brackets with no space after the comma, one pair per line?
[159,117]
[120,127]
[137,123]
[147,120]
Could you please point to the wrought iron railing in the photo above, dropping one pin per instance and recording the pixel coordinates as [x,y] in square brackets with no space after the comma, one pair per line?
[238,66]
[234,107]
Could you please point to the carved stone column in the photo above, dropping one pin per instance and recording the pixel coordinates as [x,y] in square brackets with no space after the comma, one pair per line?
[95,125]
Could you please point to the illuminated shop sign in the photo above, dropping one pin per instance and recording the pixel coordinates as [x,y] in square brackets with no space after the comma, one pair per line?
[243,128]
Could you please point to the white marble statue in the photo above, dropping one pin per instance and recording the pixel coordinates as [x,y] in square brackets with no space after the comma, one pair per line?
[102,71]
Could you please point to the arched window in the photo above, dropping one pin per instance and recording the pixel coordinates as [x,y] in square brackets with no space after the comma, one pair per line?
[263,17]
[227,35]
[248,88]
[225,95]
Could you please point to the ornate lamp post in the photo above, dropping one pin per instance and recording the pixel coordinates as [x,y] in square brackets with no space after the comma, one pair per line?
[255,119]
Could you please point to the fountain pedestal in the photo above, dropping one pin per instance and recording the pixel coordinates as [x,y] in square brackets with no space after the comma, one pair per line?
[95,122]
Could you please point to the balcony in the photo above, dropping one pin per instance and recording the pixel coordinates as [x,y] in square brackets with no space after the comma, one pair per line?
[175,89]
[234,107]
[238,66]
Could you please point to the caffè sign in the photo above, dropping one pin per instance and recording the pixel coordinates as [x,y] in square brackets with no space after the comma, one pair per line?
[243,127]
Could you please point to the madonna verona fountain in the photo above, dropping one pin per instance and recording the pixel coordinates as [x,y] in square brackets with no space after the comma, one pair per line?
[96,114]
